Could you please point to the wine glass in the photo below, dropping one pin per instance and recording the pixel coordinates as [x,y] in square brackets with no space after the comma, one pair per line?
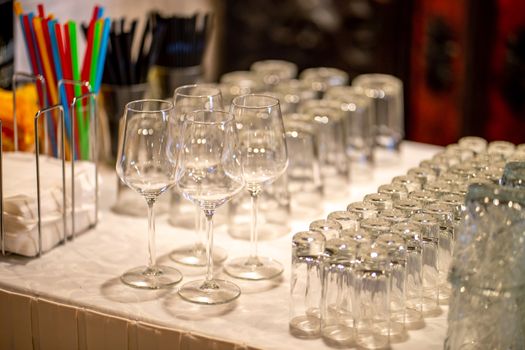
[189,98]
[209,174]
[265,158]
[146,163]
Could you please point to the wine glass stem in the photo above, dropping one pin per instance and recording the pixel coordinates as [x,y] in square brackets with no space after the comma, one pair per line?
[151,232]
[209,245]
[199,244]
[253,230]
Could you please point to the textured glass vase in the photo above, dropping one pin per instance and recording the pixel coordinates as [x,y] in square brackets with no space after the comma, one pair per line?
[488,271]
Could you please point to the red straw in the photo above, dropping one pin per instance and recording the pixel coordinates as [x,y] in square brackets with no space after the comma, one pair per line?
[66,64]
[68,69]
[41,10]
[32,57]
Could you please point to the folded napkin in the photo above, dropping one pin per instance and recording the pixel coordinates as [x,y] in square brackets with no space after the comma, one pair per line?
[20,201]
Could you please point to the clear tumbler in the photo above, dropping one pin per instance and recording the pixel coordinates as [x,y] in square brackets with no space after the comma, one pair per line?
[429,241]
[306,284]
[373,297]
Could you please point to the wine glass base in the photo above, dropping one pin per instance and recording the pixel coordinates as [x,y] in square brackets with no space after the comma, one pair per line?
[254,269]
[188,255]
[210,292]
[151,278]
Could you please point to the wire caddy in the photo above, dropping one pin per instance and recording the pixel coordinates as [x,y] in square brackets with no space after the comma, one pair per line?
[81,107]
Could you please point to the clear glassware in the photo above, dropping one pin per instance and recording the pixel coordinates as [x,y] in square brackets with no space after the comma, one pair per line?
[146,163]
[346,219]
[486,304]
[379,200]
[410,182]
[304,175]
[306,284]
[361,237]
[324,103]
[456,203]
[465,171]
[439,188]
[338,298]
[375,226]
[425,197]
[476,144]
[397,251]
[334,166]
[373,298]
[209,174]
[462,153]
[265,158]
[437,165]
[514,175]
[409,206]
[502,148]
[395,191]
[445,216]
[449,159]
[450,178]
[358,127]
[493,174]
[429,242]
[386,92]
[394,216]
[363,210]
[294,92]
[322,78]
[329,228]
[187,99]
[414,273]
[273,72]
[238,83]
[423,175]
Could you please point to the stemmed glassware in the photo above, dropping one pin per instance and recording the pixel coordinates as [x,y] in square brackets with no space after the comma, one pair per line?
[209,174]
[189,98]
[147,164]
[264,158]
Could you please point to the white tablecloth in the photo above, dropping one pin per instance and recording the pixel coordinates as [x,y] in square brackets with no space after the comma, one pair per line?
[71,297]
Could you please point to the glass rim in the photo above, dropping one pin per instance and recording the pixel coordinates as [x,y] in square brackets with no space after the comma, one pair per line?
[178,90]
[149,100]
[236,103]
[191,117]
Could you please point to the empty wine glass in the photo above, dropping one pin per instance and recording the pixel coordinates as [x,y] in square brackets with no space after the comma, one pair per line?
[147,164]
[209,174]
[264,158]
[189,98]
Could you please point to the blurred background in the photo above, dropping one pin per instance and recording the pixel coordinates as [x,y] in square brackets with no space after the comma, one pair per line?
[462,62]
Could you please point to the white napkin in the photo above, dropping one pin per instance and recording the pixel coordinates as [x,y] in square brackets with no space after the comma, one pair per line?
[20,201]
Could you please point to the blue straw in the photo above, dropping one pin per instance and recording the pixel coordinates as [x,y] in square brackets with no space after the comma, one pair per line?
[100,12]
[102,56]
[58,71]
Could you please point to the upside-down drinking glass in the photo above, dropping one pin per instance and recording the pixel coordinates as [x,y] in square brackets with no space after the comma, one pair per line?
[147,163]
[209,174]
[264,157]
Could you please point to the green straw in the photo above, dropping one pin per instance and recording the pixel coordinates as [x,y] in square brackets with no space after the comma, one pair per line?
[92,77]
[78,90]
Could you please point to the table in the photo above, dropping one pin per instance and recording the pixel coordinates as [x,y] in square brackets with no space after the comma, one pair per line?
[71,297]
